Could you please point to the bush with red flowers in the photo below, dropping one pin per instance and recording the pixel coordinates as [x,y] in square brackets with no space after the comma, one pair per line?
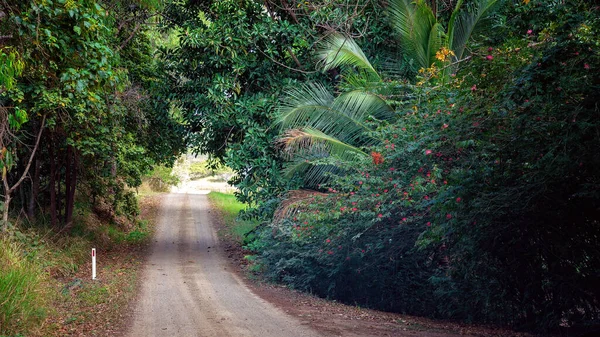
[481,202]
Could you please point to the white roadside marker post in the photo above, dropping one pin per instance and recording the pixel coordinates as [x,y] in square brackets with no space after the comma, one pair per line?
[93,263]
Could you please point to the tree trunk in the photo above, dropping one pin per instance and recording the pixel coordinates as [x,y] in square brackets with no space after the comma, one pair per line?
[35,189]
[5,211]
[53,205]
[68,172]
[72,183]
[8,190]
[59,195]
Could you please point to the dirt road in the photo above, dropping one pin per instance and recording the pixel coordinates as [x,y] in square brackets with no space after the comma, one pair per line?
[187,289]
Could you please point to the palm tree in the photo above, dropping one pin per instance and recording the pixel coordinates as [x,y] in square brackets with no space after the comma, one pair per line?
[421,34]
[320,130]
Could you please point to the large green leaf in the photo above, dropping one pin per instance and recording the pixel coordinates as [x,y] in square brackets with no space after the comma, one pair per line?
[308,140]
[343,117]
[338,50]
[418,30]
[464,21]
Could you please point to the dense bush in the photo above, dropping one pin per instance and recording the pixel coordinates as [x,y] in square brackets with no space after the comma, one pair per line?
[481,200]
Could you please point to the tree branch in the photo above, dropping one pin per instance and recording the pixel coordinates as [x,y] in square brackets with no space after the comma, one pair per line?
[37,143]
[137,26]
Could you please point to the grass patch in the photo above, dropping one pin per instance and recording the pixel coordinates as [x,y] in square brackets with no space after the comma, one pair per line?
[45,276]
[230,208]
[22,302]
[139,234]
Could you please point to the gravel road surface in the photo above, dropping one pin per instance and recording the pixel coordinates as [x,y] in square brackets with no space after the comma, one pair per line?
[188,290]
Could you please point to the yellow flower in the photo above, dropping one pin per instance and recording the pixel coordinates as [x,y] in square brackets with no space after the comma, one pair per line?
[443,54]
[526,2]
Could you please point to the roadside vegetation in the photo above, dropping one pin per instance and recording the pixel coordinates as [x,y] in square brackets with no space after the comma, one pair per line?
[240,230]
[426,157]
[202,169]
[45,277]
[83,119]
[430,157]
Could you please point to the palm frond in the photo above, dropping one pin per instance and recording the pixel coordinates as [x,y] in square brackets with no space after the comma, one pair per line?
[343,117]
[435,42]
[338,50]
[315,155]
[464,21]
[307,140]
[415,23]
[312,173]
[293,201]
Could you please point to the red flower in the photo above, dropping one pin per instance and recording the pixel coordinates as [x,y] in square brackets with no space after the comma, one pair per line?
[329,252]
[355,209]
[404,219]
[429,224]
[489,57]
[379,215]
[448,216]
[529,32]
[458,199]
[328,241]
[586,66]
[377,158]
[427,152]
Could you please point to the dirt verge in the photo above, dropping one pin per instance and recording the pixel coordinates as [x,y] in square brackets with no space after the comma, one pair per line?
[101,307]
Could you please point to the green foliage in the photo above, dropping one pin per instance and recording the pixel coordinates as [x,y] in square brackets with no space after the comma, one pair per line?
[203,169]
[10,68]
[21,299]
[320,127]
[127,205]
[230,208]
[88,69]
[480,202]
[423,36]
[139,234]
[162,178]
[233,62]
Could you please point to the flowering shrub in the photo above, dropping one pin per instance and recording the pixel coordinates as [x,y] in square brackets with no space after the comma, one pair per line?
[481,201]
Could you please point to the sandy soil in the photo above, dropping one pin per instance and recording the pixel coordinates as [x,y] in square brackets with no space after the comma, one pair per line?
[189,289]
